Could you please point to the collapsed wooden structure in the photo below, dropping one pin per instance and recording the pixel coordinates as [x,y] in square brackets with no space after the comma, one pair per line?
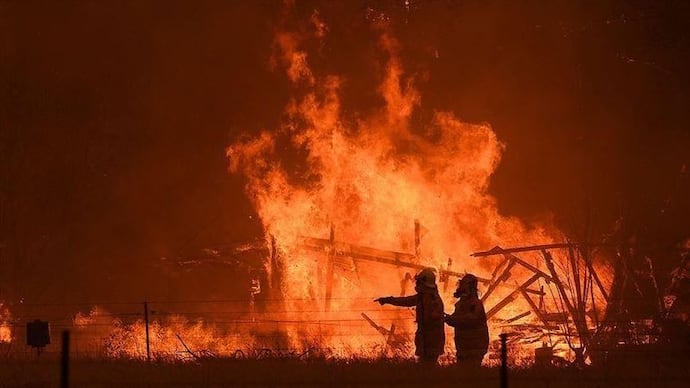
[574,297]
[348,256]
[575,289]
[578,320]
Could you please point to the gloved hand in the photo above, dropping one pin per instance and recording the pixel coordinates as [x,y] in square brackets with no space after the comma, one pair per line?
[383,300]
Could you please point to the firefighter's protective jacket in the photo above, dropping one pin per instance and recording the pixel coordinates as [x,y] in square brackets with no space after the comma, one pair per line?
[471,331]
[430,336]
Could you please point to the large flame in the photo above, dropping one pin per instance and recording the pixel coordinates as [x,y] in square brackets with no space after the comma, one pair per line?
[370,177]
[373,177]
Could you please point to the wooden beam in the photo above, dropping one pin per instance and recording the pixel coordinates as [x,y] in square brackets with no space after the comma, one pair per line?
[320,244]
[512,296]
[533,306]
[417,239]
[330,267]
[511,261]
[498,279]
[530,267]
[357,252]
[504,302]
[579,322]
[515,318]
[579,297]
[500,251]
[535,292]
[595,276]
[376,326]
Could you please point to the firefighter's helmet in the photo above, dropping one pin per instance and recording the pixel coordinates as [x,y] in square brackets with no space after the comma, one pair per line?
[467,285]
[426,277]
[469,280]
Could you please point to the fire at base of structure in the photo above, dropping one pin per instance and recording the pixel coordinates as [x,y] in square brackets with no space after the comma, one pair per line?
[554,302]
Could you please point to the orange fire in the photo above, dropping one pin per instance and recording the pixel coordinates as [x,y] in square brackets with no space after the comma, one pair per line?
[5,327]
[171,338]
[357,180]
[369,178]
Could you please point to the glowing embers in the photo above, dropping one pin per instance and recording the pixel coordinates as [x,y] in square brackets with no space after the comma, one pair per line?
[5,324]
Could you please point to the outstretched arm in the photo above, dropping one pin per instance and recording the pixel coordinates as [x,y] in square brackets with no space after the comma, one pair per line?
[403,301]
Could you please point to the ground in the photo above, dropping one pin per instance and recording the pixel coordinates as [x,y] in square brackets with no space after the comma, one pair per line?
[283,372]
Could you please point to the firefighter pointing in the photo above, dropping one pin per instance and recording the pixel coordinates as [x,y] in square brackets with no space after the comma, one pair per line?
[429,337]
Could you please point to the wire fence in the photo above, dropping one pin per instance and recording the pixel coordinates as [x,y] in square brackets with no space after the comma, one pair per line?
[232,327]
[184,328]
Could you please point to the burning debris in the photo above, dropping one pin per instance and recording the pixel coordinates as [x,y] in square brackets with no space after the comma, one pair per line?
[579,289]
[5,326]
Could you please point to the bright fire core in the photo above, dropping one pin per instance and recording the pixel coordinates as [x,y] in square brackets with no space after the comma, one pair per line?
[369,177]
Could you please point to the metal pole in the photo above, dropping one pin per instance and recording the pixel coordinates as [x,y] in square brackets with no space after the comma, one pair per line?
[64,361]
[146,319]
[504,360]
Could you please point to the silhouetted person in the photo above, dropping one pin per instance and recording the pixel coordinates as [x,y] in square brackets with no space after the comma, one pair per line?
[469,321]
[430,337]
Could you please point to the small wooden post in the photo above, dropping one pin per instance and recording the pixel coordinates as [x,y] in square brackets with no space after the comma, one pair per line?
[417,239]
[504,360]
[271,261]
[444,274]
[64,360]
[330,267]
[146,320]
[579,307]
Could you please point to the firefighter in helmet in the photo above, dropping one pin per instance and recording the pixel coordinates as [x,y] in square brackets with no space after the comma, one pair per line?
[430,336]
[469,321]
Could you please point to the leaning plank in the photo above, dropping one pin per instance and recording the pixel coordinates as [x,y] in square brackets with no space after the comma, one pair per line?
[501,251]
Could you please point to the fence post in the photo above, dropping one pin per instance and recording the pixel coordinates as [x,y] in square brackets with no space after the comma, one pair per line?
[504,360]
[146,320]
[64,360]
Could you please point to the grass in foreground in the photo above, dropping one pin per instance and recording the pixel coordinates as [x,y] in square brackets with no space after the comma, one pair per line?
[283,372]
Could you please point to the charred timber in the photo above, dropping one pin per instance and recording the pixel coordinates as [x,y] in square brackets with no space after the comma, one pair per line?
[501,251]
[399,259]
